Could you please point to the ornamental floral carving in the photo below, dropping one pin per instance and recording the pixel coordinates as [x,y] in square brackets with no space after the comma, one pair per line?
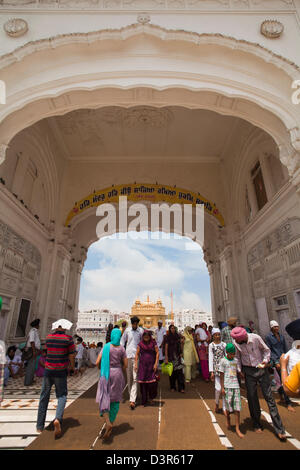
[147,116]
[15,27]
[271,29]
[137,117]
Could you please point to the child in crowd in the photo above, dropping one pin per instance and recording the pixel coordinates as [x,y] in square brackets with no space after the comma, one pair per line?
[41,364]
[230,387]
[216,352]
[80,361]
[14,363]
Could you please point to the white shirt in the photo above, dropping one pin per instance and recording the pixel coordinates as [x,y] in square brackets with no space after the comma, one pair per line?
[133,338]
[15,363]
[294,356]
[93,354]
[160,333]
[202,336]
[2,352]
[33,337]
[79,350]
[216,352]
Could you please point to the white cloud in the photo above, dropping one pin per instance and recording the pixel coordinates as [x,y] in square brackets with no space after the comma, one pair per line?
[191,300]
[124,270]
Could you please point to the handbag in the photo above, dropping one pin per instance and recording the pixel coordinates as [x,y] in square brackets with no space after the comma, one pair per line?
[167,368]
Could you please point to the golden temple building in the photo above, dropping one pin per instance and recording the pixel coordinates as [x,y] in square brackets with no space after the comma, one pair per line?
[149,312]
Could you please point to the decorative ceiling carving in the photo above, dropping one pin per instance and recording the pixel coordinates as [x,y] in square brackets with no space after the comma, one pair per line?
[142,132]
[138,117]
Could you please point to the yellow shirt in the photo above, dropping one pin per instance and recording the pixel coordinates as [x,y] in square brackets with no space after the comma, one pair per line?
[293,380]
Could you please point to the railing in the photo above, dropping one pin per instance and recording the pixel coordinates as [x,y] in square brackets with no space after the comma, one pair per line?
[293,253]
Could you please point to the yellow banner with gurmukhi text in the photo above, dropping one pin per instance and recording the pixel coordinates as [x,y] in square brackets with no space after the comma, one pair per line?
[155,193]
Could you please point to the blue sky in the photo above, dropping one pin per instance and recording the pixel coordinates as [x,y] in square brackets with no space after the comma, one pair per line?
[118,271]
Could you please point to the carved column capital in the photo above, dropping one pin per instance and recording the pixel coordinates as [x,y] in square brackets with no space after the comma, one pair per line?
[296,181]
[290,158]
[210,268]
[295,138]
[227,253]
[3,149]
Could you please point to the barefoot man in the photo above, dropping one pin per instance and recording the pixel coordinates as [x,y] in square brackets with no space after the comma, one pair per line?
[60,356]
[253,357]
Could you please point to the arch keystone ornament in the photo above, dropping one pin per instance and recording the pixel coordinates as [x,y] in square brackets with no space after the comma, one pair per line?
[143,18]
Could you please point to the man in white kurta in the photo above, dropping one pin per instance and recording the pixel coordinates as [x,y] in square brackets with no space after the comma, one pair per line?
[130,340]
[160,333]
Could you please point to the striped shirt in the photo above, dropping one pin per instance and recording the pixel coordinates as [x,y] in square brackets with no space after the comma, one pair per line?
[59,345]
[226,335]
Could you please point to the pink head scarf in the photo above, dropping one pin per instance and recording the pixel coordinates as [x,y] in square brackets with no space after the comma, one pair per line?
[239,333]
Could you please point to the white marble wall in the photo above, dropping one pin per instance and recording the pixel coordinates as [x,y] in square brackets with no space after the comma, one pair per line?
[238,281]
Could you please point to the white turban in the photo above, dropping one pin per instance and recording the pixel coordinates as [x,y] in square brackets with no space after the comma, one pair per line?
[273,323]
[215,330]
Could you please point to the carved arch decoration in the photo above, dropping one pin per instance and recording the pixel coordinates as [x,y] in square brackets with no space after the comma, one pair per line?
[232,96]
[162,33]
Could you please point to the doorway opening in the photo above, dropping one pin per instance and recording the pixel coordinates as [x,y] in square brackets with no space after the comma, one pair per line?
[165,270]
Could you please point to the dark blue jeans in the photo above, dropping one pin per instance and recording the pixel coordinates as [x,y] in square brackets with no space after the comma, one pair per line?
[253,378]
[61,390]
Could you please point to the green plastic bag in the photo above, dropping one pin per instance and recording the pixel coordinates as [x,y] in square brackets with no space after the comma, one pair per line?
[167,368]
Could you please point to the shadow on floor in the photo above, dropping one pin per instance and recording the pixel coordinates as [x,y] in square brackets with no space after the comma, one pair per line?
[117,431]
[68,423]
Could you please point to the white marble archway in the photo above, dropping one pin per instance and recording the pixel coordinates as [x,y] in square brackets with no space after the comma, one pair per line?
[147,64]
[151,66]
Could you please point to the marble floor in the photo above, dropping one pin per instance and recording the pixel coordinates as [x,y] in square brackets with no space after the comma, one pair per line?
[18,410]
